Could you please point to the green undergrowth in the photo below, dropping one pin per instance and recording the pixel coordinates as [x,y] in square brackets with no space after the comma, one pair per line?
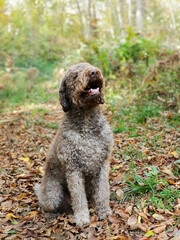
[23,87]
[127,118]
[152,187]
[141,81]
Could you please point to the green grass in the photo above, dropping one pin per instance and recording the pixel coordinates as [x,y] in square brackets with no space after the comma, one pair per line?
[141,185]
[161,194]
[127,118]
[40,110]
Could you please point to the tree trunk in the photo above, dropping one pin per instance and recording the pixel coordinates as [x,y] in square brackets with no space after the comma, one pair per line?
[83,19]
[90,18]
[118,29]
[173,23]
[139,15]
[93,29]
[129,12]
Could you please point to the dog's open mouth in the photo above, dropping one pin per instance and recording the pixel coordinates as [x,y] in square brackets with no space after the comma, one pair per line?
[93,88]
[92,91]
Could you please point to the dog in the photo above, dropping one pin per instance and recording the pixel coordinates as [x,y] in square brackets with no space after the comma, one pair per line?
[78,159]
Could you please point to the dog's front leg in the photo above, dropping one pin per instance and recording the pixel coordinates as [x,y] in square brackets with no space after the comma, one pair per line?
[101,186]
[79,201]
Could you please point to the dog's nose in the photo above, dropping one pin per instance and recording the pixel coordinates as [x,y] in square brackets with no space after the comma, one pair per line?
[94,72]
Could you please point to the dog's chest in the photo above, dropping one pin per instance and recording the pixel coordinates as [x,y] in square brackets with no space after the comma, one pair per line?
[92,153]
[88,149]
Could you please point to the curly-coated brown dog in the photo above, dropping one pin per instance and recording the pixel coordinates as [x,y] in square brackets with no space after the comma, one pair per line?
[78,159]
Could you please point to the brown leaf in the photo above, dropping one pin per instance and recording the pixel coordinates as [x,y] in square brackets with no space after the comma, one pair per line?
[158,217]
[177,209]
[132,222]
[33,213]
[168,171]
[143,238]
[48,232]
[6,205]
[163,236]
[129,209]
[119,237]
[143,215]
[21,196]
[124,215]
[143,227]
[119,194]
[113,219]
[159,229]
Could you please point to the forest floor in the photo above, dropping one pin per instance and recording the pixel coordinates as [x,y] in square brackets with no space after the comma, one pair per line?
[146,164]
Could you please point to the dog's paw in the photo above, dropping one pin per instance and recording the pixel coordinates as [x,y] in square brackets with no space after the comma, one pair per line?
[82,218]
[50,215]
[103,213]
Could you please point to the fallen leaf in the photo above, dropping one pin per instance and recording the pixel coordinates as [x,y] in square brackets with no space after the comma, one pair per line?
[14,222]
[143,215]
[171,182]
[139,219]
[147,151]
[119,237]
[21,196]
[177,237]
[11,215]
[170,114]
[41,170]
[159,229]
[168,171]
[177,209]
[143,238]
[149,233]
[24,159]
[158,217]
[33,213]
[113,219]
[48,232]
[174,154]
[163,236]
[132,222]
[124,215]
[129,209]
[21,175]
[143,227]
[119,194]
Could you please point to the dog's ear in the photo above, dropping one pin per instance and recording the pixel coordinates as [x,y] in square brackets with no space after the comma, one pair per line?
[63,96]
[102,101]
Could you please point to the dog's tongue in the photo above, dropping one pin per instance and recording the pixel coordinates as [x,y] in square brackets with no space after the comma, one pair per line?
[93,91]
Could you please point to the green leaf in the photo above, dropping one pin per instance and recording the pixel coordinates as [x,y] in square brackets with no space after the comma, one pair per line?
[14,222]
[12,232]
[154,171]
[147,174]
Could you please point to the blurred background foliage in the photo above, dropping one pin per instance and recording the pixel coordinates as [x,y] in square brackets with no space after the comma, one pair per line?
[134,42]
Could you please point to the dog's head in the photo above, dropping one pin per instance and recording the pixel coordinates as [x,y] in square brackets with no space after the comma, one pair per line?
[82,86]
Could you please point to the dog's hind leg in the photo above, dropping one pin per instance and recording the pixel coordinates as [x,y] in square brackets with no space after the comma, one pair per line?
[50,191]
[50,196]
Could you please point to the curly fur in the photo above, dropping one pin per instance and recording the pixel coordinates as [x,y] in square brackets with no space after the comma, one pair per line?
[78,158]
